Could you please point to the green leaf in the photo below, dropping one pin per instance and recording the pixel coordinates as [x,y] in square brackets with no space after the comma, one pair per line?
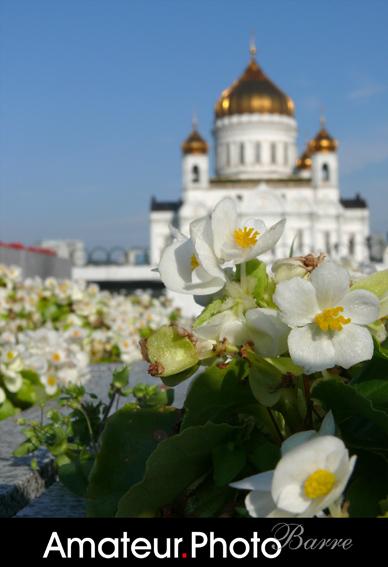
[228,460]
[266,375]
[217,393]
[29,392]
[27,447]
[208,500]
[210,310]
[129,438]
[368,487]
[256,276]
[265,456]
[121,377]
[31,376]
[376,368]
[361,424]
[6,410]
[74,474]
[175,379]
[380,349]
[173,467]
[377,283]
[376,391]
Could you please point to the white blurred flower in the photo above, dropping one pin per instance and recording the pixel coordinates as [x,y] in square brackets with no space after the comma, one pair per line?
[327,319]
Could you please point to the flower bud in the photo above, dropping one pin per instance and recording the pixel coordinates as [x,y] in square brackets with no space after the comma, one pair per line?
[298,266]
[170,350]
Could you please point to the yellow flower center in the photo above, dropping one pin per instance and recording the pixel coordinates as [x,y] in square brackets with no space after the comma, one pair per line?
[329,318]
[10,355]
[319,483]
[51,380]
[245,238]
[56,356]
[194,262]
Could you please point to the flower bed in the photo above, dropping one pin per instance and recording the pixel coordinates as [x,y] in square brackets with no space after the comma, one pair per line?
[51,330]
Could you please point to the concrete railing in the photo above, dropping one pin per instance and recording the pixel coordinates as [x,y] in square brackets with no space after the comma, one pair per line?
[27,493]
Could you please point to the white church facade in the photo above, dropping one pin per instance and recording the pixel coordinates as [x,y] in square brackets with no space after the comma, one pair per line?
[257,163]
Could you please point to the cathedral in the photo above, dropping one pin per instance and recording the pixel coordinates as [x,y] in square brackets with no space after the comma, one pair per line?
[257,163]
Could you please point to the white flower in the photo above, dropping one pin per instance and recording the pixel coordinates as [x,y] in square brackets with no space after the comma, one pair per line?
[188,265]
[309,478]
[238,243]
[327,319]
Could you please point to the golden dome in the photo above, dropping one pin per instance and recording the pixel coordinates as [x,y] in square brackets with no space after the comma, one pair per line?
[323,142]
[195,144]
[304,161]
[253,92]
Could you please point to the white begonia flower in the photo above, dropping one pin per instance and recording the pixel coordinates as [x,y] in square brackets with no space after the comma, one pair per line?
[327,319]
[236,243]
[262,326]
[308,478]
[2,396]
[184,269]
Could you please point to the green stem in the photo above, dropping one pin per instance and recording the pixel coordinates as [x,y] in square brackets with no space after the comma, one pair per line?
[309,405]
[82,409]
[243,279]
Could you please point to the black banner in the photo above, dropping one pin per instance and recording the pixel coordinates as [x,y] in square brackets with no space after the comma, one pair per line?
[198,539]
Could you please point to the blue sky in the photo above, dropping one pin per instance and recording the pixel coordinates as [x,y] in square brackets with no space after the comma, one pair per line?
[98,95]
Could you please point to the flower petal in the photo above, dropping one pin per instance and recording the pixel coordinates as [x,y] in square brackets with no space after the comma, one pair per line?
[311,348]
[201,235]
[296,299]
[268,239]
[361,306]
[261,481]
[224,222]
[352,345]
[260,504]
[332,284]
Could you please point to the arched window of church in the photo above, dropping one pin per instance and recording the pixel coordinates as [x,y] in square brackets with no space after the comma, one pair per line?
[300,240]
[325,172]
[242,155]
[258,152]
[285,154]
[273,153]
[351,244]
[227,154]
[195,171]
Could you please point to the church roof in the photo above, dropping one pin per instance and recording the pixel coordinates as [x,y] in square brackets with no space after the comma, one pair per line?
[356,203]
[165,205]
[253,92]
[323,142]
[304,161]
[195,144]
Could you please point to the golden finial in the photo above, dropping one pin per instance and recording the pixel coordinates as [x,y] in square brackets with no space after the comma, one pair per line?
[195,121]
[322,120]
[252,47]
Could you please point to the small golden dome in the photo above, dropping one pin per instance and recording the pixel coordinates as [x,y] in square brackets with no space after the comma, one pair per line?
[304,161]
[195,144]
[323,142]
[253,92]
